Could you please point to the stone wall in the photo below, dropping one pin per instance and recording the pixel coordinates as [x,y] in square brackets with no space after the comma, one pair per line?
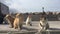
[37,17]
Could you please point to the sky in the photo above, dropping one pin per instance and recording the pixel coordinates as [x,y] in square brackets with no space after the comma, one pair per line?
[32,5]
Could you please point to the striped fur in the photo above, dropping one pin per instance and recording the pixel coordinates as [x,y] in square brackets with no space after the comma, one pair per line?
[43,24]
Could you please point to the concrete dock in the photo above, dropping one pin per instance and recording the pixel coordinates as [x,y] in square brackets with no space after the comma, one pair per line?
[54,27]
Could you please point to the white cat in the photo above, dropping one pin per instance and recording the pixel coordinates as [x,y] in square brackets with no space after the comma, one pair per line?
[43,24]
[28,20]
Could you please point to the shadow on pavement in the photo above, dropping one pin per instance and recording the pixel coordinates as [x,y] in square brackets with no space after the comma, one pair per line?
[54,28]
[29,29]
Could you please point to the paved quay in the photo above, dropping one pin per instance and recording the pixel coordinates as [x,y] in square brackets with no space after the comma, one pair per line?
[54,26]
